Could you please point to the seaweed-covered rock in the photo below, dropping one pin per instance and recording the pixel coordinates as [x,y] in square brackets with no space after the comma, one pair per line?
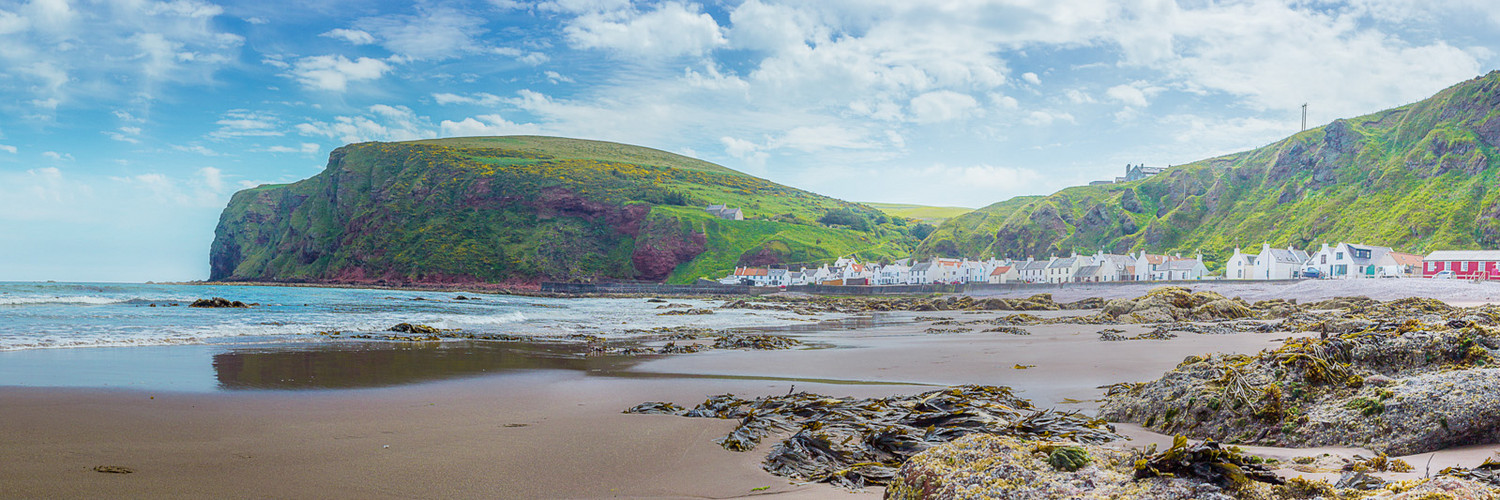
[764,342]
[858,442]
[1223,309]
[217,302]
[411,328]
[1435,383]
[1225,467]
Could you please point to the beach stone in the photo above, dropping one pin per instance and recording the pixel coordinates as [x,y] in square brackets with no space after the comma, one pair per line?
[218,302]
[113,469]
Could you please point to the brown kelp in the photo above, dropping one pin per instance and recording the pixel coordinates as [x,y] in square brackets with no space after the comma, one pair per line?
[858,442]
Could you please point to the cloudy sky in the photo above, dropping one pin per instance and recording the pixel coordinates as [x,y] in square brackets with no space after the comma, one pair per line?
[127,124]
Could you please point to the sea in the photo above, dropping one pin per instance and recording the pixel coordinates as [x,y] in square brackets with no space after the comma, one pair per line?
[146,336]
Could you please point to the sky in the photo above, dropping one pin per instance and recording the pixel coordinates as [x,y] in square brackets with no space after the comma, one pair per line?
[126,125]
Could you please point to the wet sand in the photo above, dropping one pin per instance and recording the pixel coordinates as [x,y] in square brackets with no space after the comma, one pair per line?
[548,433]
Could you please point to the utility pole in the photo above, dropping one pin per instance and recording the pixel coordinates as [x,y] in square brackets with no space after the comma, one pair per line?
[1304,117]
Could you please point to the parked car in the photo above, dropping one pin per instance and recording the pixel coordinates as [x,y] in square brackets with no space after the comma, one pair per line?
[1443,275]
[1311,273]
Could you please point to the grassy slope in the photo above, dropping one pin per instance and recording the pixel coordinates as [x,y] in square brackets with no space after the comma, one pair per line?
[428,209]
[1416,178]
[963,235]
[933,215]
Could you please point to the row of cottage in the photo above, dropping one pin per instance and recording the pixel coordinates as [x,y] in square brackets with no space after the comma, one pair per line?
[1076,268]
[1348,260]
[1340,261]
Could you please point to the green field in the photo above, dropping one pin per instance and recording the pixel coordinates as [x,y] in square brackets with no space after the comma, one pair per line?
[931,215]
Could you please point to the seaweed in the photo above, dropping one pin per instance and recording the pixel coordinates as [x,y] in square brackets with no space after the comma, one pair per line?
[860,442]
[1227,468]
[1487,472]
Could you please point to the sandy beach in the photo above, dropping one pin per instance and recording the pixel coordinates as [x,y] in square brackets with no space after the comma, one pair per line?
[552,433]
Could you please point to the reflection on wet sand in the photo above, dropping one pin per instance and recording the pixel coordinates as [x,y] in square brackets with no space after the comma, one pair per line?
[380,364]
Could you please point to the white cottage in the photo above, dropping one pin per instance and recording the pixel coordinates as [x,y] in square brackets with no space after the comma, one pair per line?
[1279,263]
[1240,266]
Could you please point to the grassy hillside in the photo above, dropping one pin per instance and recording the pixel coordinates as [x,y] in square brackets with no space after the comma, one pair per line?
[523,209]
[1418,177]
[932,215]
[966,234]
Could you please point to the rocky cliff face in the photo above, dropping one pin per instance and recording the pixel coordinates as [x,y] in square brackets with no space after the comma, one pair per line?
[1416,177]
[448,212]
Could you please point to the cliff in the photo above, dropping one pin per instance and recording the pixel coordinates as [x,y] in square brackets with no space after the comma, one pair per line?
[524,209]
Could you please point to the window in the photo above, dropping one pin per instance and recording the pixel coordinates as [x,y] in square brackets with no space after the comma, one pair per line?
[1338,256]
[1323,259]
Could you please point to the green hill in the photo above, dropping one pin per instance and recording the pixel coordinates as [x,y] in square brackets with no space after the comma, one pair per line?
[933,215]
[524,209]
[1417,177]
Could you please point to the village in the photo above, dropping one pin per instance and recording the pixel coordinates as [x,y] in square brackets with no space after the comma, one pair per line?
[1339,261]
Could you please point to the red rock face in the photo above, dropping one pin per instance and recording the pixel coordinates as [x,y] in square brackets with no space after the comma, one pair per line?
[662,245]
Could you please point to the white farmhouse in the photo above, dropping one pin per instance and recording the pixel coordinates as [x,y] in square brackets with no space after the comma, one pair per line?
[1345,261]
[1279,263]
[1240,266]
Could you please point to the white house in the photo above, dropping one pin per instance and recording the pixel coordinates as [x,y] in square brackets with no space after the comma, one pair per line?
[895,273]
[1399,265]
[1004,274]
[1184,269]
[1240,266]
[1061,270]
[1279,263]
[1032,270]
[1115,267]
[1345,260]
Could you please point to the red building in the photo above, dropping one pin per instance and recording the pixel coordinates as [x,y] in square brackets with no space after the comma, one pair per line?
[1465,264]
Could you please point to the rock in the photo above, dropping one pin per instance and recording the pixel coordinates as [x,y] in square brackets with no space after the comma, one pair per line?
[1117,307]
[687,312]
[1379,380]
[410,328]
[218,302]
[1223,309]
[113,469]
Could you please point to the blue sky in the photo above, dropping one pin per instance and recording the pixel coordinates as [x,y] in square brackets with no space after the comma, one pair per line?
[127,124]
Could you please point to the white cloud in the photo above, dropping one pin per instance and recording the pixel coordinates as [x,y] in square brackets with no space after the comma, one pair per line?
[56,156]
[195,148]
[356,37]
[431,34]
[382,123]
[1041,118]
[334,72]
[671,29]
[303,148]
[943,105]
[8,148]
[744,150]
[476,99]
[1031,78]
[204,189]
[484,125]
[246,123]
[1076,96]
[555,77]
[1127,95]
[54,54]
[523,56]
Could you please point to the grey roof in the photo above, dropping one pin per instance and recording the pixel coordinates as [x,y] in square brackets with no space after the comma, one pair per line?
[1284,256]
[777,272]
[921,268]
[1374,254]
[1067,262]
[1034,265]
[1179,265]
[1086,272]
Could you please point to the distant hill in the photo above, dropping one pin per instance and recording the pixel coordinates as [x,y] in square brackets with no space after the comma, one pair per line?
[931,215]
[1417,177]
[524,209]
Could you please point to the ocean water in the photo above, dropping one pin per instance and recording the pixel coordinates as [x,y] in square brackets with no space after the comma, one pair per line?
[84,315]
[144,337]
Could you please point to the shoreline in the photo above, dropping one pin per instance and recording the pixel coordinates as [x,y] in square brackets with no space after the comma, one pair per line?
[548,433]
